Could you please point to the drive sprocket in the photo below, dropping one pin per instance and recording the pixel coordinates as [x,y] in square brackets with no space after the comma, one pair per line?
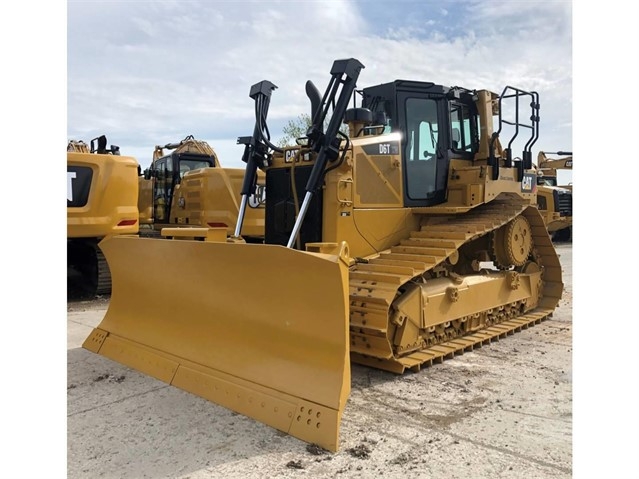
[512,243]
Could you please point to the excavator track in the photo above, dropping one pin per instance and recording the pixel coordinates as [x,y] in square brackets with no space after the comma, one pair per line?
[377,285]
[103,281]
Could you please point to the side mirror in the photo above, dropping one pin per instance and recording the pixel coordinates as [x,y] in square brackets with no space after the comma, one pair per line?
[380,118]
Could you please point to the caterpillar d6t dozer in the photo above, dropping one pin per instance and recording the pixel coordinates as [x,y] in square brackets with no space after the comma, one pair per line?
[187,187]
[102,195]
[411,239]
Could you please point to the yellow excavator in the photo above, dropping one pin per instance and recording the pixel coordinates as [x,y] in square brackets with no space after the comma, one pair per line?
[186,186]
[554,200]
[411,239]
[102,195]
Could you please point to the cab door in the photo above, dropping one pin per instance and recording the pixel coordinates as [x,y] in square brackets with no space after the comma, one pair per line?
[162,187]
[424,147]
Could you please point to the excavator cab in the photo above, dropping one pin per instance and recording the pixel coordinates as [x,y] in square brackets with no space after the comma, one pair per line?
[375,251]
[186,187]
[167,171]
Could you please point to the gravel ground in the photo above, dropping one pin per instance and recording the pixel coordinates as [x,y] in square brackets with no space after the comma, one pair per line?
[503,410]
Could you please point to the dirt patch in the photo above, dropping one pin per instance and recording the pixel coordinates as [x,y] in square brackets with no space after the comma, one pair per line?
[361,452]
[295,465]
[110,378]
[316,450]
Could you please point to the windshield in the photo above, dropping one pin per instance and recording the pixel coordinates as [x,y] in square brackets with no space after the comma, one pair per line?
[547,181]
[188,165]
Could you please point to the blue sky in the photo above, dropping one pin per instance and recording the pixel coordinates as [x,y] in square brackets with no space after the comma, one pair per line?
[148,73]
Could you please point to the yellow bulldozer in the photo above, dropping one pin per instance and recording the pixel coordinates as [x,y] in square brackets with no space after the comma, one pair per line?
[102,195]
[411,239]
[186,186]
[554,200]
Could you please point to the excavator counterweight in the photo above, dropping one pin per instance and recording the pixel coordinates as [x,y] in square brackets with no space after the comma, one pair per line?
[102,195]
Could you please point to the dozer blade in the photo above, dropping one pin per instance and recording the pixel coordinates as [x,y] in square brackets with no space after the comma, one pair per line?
[259,329]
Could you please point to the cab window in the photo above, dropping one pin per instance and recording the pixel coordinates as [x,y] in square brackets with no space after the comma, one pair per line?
[188,165]
[461,128]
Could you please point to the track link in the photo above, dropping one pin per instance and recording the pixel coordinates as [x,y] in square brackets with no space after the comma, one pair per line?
[103,282]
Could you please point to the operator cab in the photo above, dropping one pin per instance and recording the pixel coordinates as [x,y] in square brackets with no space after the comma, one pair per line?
[168,172]
[437,124]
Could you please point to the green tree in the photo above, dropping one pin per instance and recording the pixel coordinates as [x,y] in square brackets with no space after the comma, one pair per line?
[297,128]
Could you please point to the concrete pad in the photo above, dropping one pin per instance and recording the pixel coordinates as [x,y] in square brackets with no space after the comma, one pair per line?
[503,410]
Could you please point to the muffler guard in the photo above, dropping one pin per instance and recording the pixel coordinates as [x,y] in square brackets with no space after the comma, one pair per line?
[259,329]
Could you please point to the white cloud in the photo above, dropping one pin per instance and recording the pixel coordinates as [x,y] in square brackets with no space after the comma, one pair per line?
[147,73]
